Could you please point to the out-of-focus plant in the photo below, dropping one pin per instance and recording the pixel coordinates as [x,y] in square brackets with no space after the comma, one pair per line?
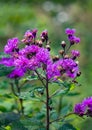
[33,71]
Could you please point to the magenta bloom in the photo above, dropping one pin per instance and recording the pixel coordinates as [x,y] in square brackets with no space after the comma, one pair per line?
[7,61]
[16,73]
[53,70]
[43,55]
[11,46]
[70,67]
[79,109]
[75,53]
[73,39]
[84,108]
[88,102]
[33,63]
[69,31]
[21,62]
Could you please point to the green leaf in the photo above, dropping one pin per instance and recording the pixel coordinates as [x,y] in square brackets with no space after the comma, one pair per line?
[2,108]
[2,55]
[61,92]
[73,94]
[31,78]
[5,70]
[17,125]
[67,126]
[6,118]
[32,123]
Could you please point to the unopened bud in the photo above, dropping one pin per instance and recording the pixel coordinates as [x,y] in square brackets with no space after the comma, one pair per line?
[61,52]
[77,62]
[63,44]
[66,56]
[56,58]
[79,73]
[40,43]
[48,47]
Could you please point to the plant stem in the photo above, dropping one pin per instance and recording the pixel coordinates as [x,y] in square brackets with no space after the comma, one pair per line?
[13,90]
[62,117]
[47,105]
[40,78]
[19,92]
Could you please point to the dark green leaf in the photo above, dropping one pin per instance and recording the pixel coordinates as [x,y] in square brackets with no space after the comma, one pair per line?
[61,92]
[5,70]
[2,55]
[73,94]
[3,109]
[17,125]
[7,118]
[67,126]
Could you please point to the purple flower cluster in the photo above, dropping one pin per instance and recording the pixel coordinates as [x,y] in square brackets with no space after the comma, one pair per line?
[84,108]
[63,66]
[36,55]
[71,36]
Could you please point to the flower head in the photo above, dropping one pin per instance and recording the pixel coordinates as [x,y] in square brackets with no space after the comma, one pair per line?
[16,73]
[73,39]
[69,31]
[79,109]
[11,46]
[84,108]
[75,53]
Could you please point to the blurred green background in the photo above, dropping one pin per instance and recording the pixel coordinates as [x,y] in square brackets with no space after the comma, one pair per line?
[17,16]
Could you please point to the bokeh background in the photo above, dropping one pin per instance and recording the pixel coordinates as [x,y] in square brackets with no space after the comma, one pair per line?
[17,16]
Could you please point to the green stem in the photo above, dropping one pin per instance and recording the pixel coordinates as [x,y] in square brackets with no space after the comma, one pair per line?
[19,92]
[40,78]
[61,117]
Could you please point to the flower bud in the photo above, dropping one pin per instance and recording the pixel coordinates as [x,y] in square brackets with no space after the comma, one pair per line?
[63,44]
[48,47]
[61,52]
[40,43]
[66,56]
[79,73]
[56,58]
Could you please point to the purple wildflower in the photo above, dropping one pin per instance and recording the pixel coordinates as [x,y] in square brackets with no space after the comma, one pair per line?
[53,70]
[11,45]
[73,39]
[88,102]
[43,55]
[16,73]
[79,109]
[84,108]
[7,61]
[21,62]
[70,67]
[33,63]
[69,31]
[75,53]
